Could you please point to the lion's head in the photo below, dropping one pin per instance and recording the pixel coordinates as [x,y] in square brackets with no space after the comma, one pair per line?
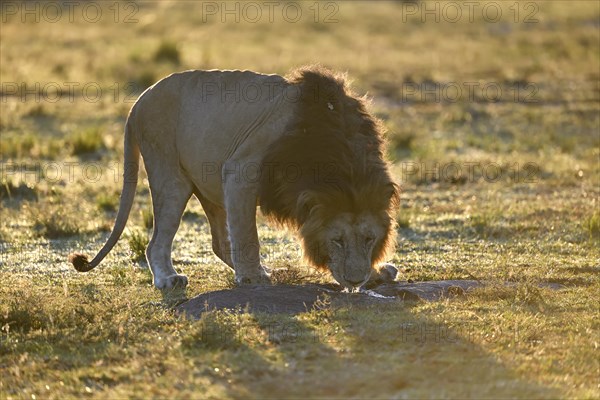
[328,179]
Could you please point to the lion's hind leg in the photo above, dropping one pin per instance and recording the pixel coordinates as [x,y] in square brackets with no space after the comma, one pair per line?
[170,194]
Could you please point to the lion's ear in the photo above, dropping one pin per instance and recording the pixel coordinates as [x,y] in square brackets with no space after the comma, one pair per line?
[387,197]
[393,193]
[307,200]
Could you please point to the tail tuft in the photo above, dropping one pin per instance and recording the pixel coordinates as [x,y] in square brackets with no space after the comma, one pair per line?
[80,262]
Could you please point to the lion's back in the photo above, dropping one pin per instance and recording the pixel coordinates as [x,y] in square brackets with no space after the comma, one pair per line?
[215,87]
[214,105]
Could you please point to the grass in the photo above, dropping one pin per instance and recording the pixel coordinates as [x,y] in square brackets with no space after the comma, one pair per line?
[53,222]
[86,141]
[138,241]
[167,51]
[8,190]
[147,218]
[501,190]
[27,145]
[107,202]
[592,225]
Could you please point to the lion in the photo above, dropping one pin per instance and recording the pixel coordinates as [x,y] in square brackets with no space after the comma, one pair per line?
[302,147]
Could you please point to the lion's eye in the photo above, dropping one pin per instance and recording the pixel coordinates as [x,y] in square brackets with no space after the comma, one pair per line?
[338,242]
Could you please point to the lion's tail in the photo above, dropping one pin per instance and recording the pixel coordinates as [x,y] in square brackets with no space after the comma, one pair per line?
[130,173]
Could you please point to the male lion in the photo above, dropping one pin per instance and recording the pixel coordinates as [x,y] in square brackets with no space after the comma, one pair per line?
[303,147]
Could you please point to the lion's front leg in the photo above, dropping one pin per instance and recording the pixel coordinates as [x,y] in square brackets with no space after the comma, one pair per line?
[240,205]
[386,273]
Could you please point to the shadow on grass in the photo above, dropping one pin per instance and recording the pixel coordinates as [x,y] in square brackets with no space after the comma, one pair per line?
[173,297]
[366,352]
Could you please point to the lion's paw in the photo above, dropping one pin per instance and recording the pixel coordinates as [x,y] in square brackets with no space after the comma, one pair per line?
[387,273]
[262,278]
[174,281]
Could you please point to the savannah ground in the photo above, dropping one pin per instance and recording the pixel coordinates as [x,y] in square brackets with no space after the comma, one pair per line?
[494,135]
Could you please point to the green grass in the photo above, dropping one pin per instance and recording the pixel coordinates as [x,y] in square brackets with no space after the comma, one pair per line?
[147,218]
[107,202]
[86,141]
[592,225]
[53,222]
[500,191]
[167,51]
[138,241]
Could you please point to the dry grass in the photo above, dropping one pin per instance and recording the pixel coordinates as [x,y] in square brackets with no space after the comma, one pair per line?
[504,191]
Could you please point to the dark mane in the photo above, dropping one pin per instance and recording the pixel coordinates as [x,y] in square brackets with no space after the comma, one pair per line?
[330,158]
[334,148]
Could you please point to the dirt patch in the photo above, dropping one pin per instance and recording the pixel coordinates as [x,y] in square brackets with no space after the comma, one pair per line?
[295,299]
